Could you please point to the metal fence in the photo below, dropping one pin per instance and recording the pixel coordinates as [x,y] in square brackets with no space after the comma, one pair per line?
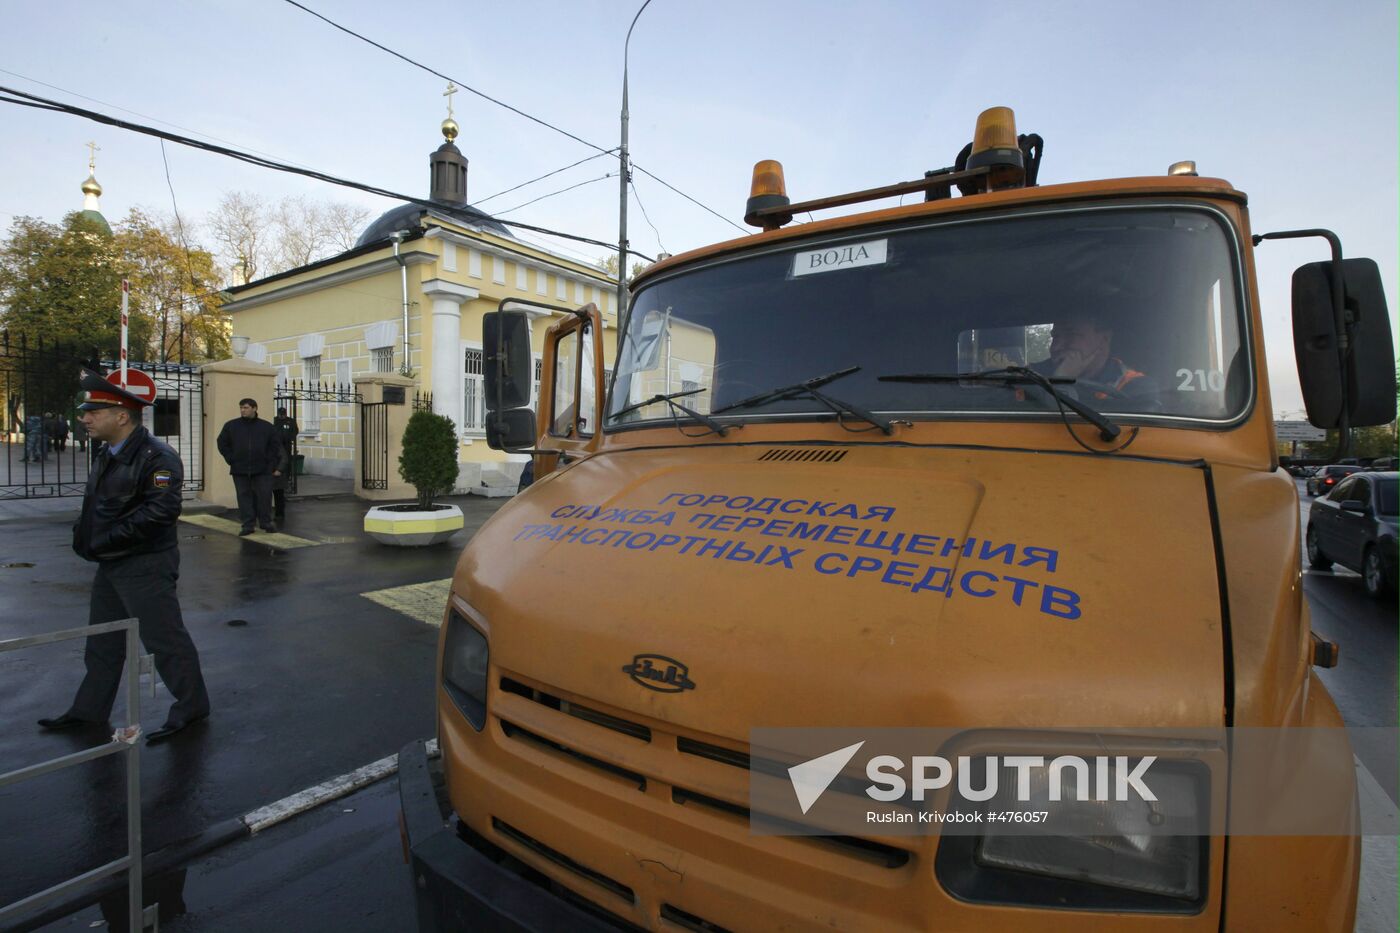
[126,740]
[47,451]
[177,417]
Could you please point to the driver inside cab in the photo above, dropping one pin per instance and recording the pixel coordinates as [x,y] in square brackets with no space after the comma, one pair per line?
[1081,348]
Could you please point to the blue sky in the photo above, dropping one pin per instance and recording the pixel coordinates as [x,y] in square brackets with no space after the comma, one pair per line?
[1293,102]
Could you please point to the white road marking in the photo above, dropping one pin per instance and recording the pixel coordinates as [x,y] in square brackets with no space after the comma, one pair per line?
[326,791]
[1375,902]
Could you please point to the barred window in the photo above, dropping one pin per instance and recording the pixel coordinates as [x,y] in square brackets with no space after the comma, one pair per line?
[313,409]
[474,395]
[382,359]
[539,369]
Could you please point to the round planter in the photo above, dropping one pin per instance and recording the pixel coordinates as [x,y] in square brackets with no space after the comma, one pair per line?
[408,526]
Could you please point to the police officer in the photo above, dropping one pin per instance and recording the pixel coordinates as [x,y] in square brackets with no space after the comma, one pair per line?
[127,527]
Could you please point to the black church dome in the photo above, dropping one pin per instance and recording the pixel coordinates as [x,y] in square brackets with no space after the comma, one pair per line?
[409,216]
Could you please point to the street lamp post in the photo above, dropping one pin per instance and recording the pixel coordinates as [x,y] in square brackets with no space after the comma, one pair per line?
[624,176]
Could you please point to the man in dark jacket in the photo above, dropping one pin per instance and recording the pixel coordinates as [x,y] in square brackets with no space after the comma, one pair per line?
[255,457]
[128,527]
[287,430]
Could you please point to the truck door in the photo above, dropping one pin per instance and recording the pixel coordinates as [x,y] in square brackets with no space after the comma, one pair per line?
[571,389]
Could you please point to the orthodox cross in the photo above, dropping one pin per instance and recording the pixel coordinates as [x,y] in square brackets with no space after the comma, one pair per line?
[451,89]
[93,150]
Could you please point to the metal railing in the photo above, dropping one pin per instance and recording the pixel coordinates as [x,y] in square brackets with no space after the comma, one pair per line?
[124,740]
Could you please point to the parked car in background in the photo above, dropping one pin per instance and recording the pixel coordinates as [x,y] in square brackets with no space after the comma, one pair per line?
[1326,478]
[1382,464]
[1355,525]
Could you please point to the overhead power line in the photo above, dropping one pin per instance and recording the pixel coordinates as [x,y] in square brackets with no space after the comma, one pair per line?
[597,155]
[433,71]
[689,198]
[636,194]
[553,193]
[179,224]
[145,116]
[25,99]
[500,103]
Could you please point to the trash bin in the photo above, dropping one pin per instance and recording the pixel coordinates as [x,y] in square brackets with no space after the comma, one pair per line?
[299,464]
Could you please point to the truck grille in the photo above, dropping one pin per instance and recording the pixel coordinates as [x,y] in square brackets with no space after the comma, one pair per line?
[563,861]
[864,851]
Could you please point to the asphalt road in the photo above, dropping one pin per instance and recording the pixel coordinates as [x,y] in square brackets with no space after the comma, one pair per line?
[339,868]
[1366,680]
[320,680]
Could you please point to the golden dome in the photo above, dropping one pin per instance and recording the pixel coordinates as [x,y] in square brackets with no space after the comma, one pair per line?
[449,129]
[92,187]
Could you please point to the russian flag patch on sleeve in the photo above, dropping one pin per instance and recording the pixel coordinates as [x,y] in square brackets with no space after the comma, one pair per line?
[162,478]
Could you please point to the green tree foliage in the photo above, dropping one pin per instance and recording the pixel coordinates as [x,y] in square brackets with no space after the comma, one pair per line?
[175,293]
[609,265]
[56,280]
[429,459]
[62,283]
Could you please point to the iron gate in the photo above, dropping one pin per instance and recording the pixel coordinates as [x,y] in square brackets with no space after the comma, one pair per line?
[290,395]
[46,448]
[374,447]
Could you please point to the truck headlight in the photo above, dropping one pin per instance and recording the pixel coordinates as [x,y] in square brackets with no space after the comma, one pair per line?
[1088,853]
[465,658]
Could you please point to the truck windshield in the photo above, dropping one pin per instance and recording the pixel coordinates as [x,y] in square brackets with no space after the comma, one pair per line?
[1136,305]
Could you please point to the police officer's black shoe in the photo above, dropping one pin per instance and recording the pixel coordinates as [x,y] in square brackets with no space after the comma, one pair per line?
[243,533]
[156,736]
[67,721]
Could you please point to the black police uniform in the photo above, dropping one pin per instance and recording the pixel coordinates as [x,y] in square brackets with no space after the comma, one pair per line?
[128,527]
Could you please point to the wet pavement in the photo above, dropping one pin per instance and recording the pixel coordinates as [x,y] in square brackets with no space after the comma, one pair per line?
[339,867]
[319,681]
[1366,680]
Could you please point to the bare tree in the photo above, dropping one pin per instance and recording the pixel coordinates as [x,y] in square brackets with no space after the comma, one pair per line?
[241,228]
[310,230]
[258,239]
[344,223]
[299,232]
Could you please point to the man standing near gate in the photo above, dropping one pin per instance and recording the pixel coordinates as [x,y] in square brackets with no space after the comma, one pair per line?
[287,430]
[128,527]
[255,457]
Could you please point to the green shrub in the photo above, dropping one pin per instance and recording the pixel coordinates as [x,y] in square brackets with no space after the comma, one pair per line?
[429,458]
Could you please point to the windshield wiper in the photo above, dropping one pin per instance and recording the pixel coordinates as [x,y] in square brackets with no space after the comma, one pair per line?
[809,388]
[1024,375]
[670,399]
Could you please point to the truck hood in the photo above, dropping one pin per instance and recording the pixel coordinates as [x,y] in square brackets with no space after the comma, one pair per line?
[731,587]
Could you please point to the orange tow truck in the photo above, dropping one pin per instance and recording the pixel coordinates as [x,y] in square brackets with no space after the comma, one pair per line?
[1001,459]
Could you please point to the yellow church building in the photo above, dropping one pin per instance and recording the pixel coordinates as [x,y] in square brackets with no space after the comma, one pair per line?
[409,297]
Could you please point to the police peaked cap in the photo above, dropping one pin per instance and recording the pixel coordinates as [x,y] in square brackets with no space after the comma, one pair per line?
[101,393]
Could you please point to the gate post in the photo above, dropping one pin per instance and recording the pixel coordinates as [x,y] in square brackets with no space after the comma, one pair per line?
[371,387]
[225,382]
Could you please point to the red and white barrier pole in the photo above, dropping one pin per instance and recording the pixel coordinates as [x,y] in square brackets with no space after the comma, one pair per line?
[126,292]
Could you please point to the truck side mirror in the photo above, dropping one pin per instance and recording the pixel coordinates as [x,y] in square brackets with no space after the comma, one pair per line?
[507,374]
[510,430]
[1369,375]
[506,367]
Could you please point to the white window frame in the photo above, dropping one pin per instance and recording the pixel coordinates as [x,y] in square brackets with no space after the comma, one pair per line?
[479,380]
[313,408]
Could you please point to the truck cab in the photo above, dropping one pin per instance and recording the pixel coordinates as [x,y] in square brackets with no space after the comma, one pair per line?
[1000,462]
